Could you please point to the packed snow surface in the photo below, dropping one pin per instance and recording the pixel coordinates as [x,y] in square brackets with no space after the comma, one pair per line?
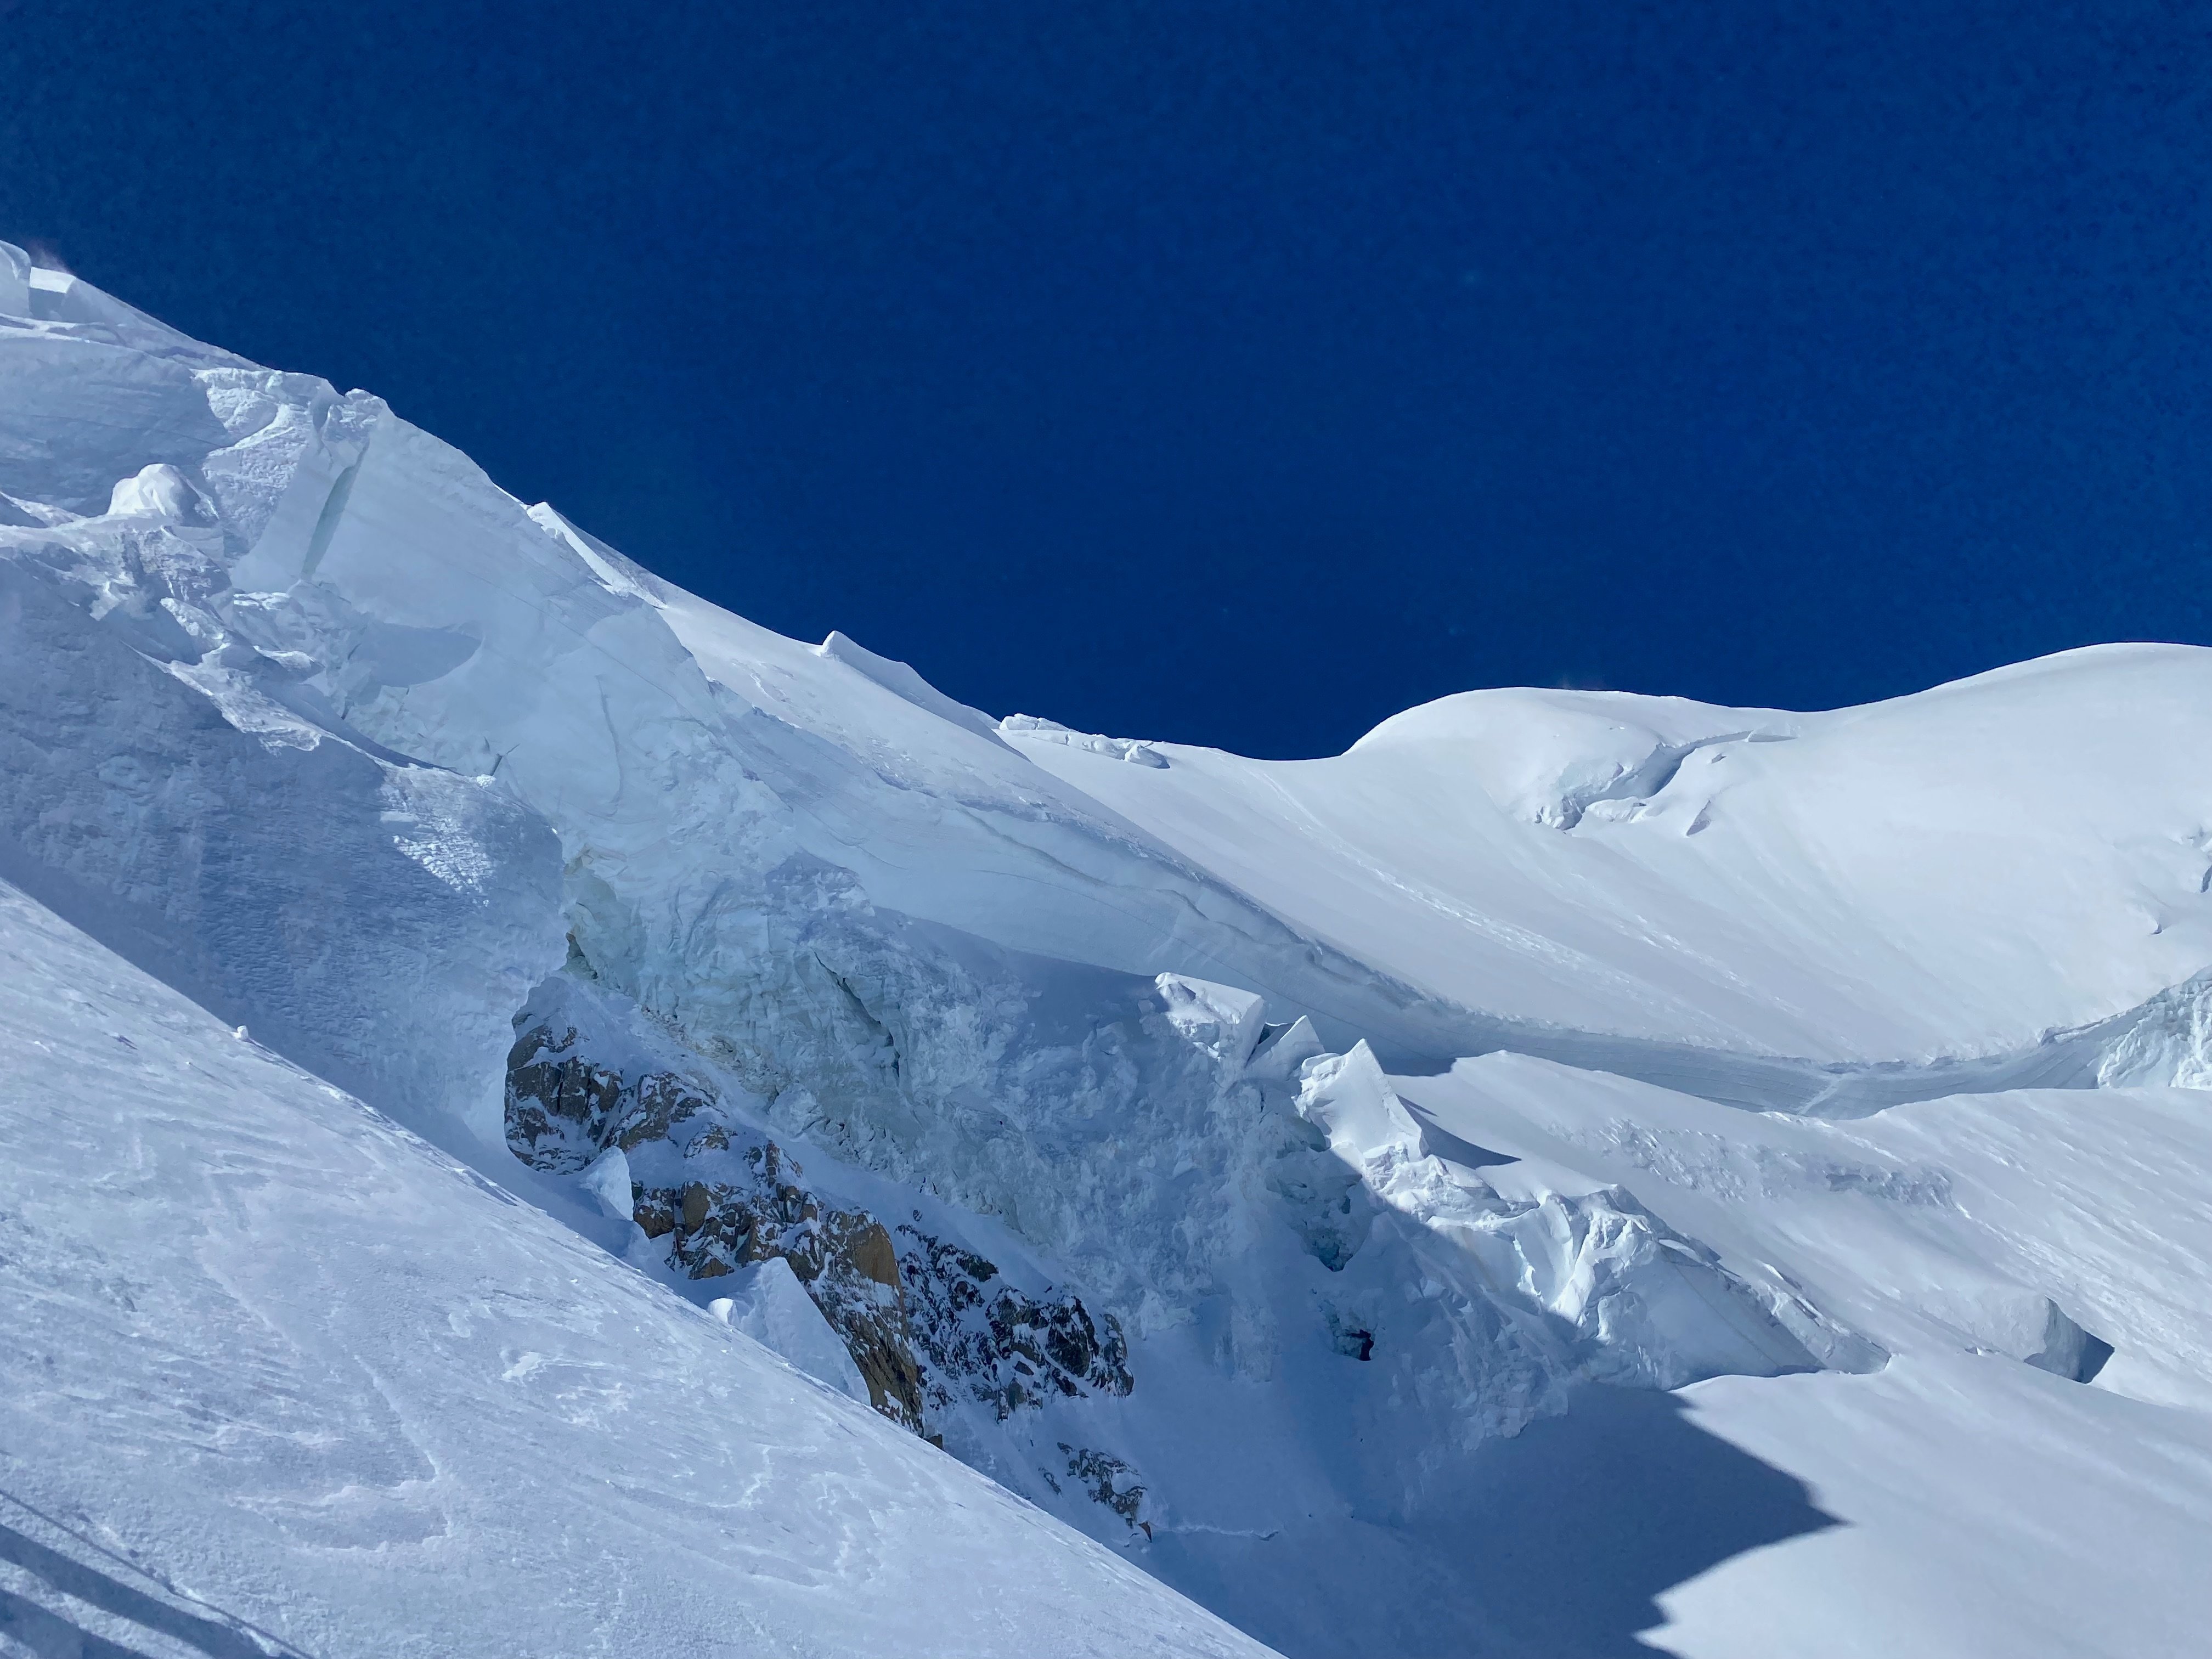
[538,1106]
[276,1365]
[1956,873]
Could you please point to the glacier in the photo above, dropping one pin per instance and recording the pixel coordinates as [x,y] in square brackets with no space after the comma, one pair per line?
[547,1117]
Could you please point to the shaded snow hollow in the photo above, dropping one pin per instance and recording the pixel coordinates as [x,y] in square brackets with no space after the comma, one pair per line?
[538,1107]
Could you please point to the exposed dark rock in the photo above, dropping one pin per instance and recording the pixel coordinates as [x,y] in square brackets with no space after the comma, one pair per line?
[843,1258]
[562,1111]
[661,1101]
[559,1105]
[1005,1349]
[926,1321]
[1099,1475]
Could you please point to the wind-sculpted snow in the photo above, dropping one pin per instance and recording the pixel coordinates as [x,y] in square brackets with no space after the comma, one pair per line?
[1956,873]
[2002,1248]
[1725,1120]
[312,1373]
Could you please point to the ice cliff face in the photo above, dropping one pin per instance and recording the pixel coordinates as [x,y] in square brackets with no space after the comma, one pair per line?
[1099,1096]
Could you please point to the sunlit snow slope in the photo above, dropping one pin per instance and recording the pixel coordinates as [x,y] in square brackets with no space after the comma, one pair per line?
[1952,874]
[1576,1173]
[281,1377]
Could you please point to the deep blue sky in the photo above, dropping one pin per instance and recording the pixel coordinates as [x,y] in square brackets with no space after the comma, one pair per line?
[1235,373]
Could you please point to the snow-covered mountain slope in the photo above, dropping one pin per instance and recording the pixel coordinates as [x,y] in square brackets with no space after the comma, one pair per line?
[2002,1249]
[1952,874]
[276,1368]
[1588,1162]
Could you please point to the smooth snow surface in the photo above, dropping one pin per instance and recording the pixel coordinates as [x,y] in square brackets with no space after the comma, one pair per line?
[1578,1174]
[1956,873]
[768,1303]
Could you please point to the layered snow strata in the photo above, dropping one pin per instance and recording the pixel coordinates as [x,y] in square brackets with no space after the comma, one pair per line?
[1958,1225]
[1617,1296]
[167,789]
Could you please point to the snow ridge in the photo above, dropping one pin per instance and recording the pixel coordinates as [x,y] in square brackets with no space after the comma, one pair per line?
[1248,1164]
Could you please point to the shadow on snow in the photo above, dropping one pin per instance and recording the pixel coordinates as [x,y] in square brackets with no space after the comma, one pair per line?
[1557,1545]
[56,1600]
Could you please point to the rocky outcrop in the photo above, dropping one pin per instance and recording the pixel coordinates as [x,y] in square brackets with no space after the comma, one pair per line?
[1107,1479]
[744,1199]
[559,1105]
[1001,1347]
[843,1257]
[564,1109]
